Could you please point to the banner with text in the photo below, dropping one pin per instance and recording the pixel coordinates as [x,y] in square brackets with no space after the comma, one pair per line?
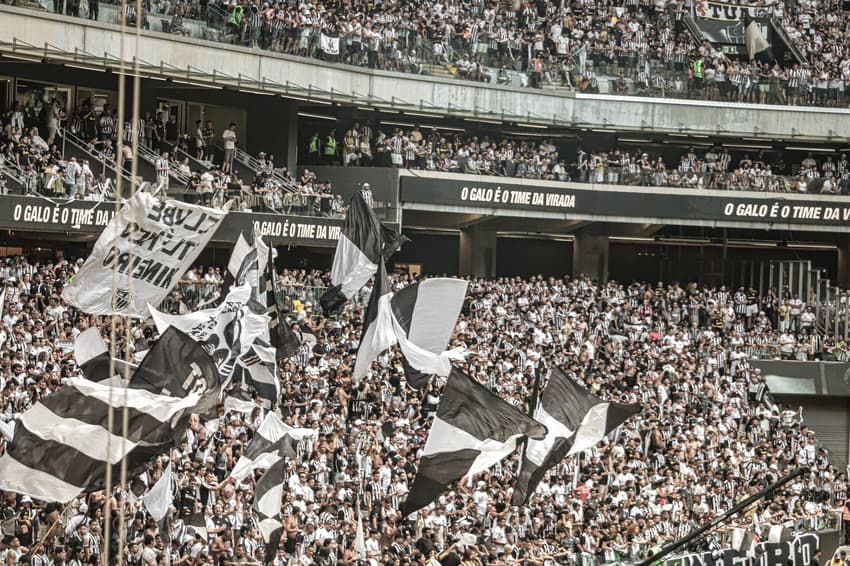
[89,217]
[728,11]
[620,205]
[800,550]
[141,255]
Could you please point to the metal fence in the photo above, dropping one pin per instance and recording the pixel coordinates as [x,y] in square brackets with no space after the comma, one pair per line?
[190,296]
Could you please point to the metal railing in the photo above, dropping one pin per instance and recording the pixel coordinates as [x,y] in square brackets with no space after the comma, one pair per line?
[256,166]
[192,295]
[173,172]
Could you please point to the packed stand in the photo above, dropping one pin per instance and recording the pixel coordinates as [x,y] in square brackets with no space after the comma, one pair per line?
[629,47]
[712,168]
[709,433]
[205,160]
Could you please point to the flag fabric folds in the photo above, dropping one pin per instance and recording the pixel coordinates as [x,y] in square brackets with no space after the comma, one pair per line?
[141,255]
[361,246]
[420,318]
[273,440]
[92,355]
[63,443]
[258,369]
[281,335]
[576,420]
[268,493]
[472,430]
[158,499]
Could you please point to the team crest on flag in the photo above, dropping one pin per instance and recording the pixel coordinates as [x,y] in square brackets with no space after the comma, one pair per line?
[121,299]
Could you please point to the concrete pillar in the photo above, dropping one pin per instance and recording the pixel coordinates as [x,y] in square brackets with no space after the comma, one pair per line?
[590,253]
[477,252]
[842,277]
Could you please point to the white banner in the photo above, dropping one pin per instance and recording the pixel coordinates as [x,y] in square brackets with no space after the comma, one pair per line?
[148,246]
[330,45]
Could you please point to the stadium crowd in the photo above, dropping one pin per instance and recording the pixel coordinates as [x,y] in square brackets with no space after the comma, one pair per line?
[203,162]
[633,46]
[709,433]
[712,168]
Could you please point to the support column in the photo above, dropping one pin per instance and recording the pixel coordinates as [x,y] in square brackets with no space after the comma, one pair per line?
[842,277]
[590,253]
[477,252]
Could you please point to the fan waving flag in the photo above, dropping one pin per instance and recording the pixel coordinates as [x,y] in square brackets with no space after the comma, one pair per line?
[361,246]
[473,430]
[420,319]
[576,418]
[62,444]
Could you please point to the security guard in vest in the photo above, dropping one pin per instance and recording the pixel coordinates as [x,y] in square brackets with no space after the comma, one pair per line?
[330,148]
[313,147]
[699,64]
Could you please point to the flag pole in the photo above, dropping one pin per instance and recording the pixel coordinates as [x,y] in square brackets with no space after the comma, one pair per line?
[532,406]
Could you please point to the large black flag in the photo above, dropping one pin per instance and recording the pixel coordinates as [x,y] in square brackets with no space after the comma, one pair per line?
[363,243]
[473,430]
[576,419]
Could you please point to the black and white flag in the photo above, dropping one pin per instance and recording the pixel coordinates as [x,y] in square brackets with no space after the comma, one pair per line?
[247,266]
[358,252]
[576,420]
[268,493]
[226,332]
[63,443]
[258,370]
[473,430]
[273,440]
[92,355]
[281,335]
[420,319]
[148,246]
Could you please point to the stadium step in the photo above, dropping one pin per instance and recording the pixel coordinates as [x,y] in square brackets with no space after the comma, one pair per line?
[436,70]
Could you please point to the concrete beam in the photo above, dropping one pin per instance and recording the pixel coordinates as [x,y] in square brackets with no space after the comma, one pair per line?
[265,72]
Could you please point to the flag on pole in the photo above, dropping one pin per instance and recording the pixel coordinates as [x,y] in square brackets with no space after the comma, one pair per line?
[281,335]
[63,443]
[359,250]
[92,355]
[158,499]
[360,538]
[148,245]
[576,419]
[273,440]
[473,430]
[420,319]
[268,493]
[258,369]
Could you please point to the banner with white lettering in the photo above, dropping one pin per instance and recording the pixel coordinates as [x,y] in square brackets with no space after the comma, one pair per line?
[330,45]
[798,551]
[141,255]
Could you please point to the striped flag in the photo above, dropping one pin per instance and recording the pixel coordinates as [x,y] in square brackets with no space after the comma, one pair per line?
[420,319]
[576,419]
[63,443]
[472,431]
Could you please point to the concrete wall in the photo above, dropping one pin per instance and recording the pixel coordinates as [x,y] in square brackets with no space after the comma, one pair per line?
[460,97]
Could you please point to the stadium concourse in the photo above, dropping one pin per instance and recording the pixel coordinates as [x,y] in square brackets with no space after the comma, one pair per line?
[708,434]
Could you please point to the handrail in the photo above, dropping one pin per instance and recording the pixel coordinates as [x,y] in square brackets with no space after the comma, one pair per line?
[83,146]
[173,172]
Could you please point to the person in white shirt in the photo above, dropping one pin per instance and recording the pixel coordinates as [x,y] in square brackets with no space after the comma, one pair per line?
[163,168]
[229,140]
